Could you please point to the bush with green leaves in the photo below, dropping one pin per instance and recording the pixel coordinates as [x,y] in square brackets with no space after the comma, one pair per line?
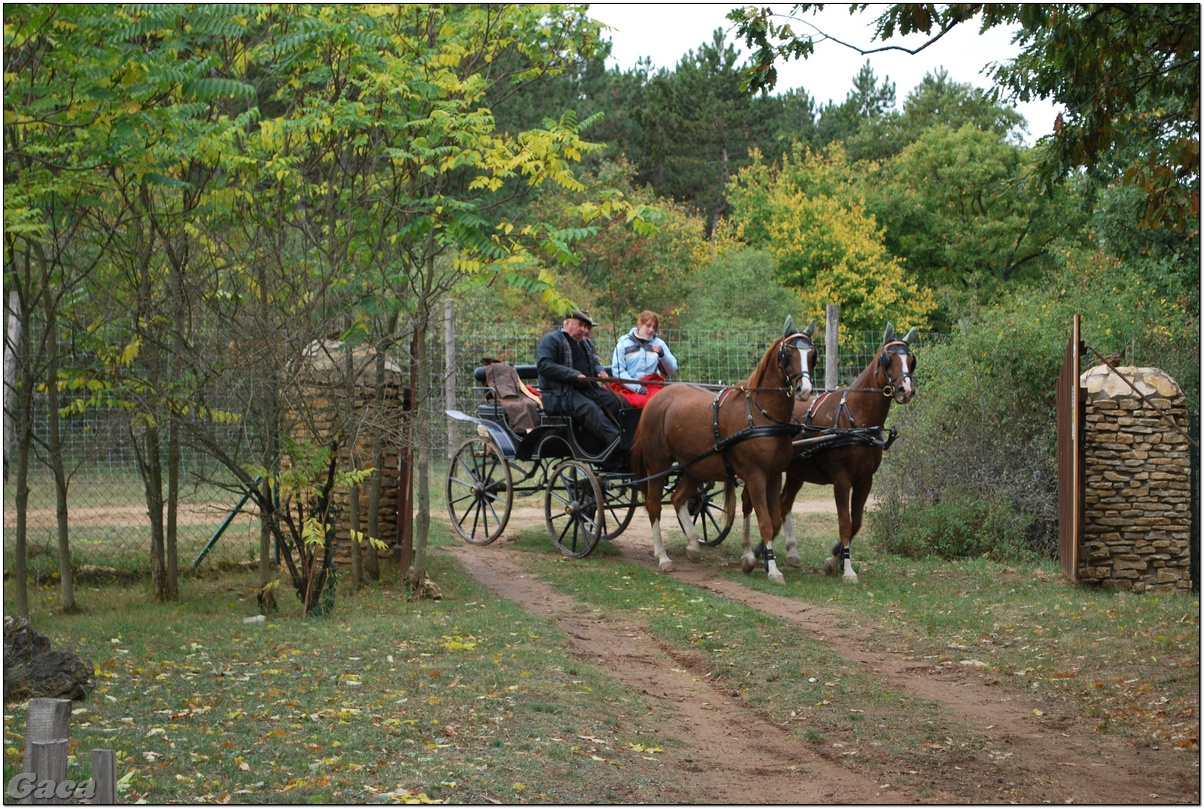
[977,452]
[960,525]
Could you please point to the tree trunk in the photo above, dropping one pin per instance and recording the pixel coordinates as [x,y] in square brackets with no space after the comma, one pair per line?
[151,469]
[12,340]
[24,444]
[22,413]
[376,482]
[54,446]
[421,387]
[173,496]
[357,552]
[54,452]
[265,550]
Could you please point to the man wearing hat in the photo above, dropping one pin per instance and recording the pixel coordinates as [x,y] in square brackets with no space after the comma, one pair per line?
[565,363]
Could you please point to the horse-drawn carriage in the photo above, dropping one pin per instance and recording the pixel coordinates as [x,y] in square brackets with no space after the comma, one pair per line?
[591,493]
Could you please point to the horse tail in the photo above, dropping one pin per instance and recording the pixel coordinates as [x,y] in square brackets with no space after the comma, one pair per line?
[637,449]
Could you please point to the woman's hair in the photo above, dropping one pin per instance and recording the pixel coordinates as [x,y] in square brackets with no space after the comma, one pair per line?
[648,316]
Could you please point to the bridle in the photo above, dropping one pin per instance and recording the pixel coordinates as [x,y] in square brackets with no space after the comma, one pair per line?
[802,344]
[902,350]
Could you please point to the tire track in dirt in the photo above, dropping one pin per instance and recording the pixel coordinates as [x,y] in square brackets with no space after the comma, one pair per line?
[1050,759]
[1017,755]
[733,755]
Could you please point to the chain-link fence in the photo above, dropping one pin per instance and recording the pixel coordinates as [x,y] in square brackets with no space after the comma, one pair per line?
[106,506]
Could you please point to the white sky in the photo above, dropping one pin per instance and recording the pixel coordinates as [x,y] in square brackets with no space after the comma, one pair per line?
[665,32]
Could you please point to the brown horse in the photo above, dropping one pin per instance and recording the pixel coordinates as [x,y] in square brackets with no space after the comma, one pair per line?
[743,431]
[847,467]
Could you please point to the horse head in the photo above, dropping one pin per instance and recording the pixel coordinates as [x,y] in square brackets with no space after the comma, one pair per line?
[796,358]
[896,364]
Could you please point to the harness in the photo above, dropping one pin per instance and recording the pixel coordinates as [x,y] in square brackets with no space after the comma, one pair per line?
[777,428]
[853,435]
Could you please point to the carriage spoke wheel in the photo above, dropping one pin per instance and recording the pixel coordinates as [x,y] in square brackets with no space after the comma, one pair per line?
[573,508]
[480,491]
[620,500]
[713,517]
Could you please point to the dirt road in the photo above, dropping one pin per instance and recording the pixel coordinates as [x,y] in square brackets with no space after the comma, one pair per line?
[1016,760]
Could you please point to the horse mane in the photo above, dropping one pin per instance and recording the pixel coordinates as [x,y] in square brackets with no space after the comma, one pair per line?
[757,378]
[867,373]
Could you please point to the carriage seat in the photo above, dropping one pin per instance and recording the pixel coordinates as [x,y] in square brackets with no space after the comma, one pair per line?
[509,396]
[505,391]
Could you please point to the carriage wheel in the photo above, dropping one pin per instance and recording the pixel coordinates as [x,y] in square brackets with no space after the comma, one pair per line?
[480,491]
[620,500]
[712,519]
[573,508]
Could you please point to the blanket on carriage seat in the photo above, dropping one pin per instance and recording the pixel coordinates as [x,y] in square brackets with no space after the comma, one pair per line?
[521,406]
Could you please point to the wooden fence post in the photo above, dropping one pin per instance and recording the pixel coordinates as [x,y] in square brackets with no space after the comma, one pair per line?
[832,348]
[104,775]
[449,360]
[48,723]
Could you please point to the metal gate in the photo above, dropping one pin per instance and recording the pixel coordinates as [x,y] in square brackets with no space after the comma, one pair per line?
[1071,410]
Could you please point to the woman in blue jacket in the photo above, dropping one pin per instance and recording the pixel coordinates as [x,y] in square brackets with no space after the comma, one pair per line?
[642,359]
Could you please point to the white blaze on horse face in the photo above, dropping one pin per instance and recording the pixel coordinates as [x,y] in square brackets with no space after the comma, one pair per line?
[906,386]
[803,389]
[803,392]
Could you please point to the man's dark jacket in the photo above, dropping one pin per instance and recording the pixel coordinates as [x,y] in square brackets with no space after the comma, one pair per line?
[559,358]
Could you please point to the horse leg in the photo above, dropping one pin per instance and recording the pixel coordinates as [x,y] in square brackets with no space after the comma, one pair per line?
[652,502]
[840,551]
[835,563]
[861,492]
[748,559]
[790,490]
[765,493]
[681,504]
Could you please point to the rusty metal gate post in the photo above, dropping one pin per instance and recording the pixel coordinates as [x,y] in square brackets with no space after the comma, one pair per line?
[1071,408]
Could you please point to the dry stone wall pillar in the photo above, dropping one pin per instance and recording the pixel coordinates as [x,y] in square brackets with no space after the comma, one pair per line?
[1137,482]
[361,412]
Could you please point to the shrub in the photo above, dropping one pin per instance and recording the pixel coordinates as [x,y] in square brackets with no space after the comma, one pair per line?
[961,525]
[977,447]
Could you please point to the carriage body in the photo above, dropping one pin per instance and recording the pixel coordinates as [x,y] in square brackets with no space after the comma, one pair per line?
[588,491]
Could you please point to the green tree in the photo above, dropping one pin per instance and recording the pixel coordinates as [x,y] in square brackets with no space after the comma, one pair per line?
[738,290]
[412,212]
[1128,76]
[859,119]
[961,207]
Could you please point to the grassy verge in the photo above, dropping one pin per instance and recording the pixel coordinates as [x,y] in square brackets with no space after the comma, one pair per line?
[466,700]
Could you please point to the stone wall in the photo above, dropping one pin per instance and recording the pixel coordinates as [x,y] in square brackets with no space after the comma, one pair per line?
[335,405]
[1137,483]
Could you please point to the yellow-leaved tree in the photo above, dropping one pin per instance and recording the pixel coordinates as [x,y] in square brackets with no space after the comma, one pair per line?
[809,213]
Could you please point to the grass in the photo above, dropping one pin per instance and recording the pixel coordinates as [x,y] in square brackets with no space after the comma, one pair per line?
[466,700]
[109,527]
[472,700]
